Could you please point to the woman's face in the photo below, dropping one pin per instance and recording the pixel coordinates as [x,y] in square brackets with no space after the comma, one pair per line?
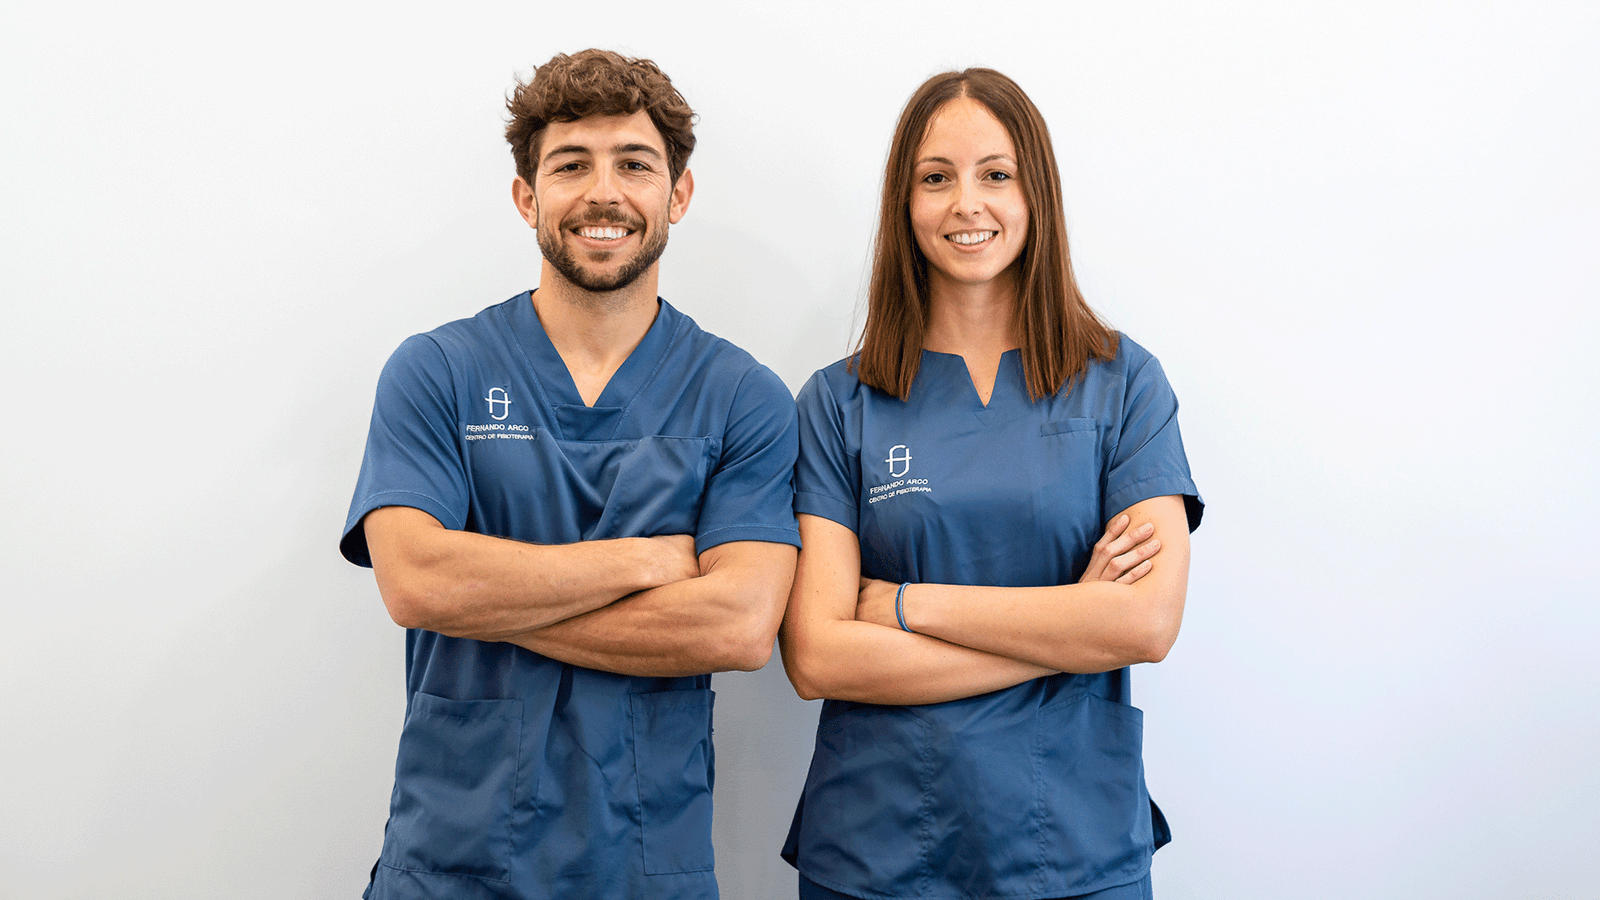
[967,209]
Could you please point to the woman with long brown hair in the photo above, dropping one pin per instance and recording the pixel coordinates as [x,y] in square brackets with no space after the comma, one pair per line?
[970,634]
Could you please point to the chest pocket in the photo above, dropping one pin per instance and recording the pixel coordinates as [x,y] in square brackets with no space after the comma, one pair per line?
[1069,490]
[642,488]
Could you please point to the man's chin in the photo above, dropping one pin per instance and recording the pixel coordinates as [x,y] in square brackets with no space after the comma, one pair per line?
[602,278]
[599,280]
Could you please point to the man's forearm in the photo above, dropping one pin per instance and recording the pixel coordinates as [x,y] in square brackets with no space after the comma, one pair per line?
[472,585]
[723,620]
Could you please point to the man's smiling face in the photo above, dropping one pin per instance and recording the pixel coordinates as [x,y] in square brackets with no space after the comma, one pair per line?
[602,199]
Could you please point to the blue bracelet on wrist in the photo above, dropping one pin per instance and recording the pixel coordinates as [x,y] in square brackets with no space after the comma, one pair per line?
[900,608]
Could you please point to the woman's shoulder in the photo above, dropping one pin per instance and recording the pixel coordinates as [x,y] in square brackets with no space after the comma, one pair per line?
[1131,362]
[1131,353]
[840,379]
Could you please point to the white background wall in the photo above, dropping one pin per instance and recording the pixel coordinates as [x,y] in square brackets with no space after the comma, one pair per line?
[1361,237]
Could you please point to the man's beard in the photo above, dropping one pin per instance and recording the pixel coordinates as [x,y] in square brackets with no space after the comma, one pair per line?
[561,259]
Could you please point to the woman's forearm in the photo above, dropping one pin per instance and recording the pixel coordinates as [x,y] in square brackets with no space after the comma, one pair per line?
[1090,627]
[870,663]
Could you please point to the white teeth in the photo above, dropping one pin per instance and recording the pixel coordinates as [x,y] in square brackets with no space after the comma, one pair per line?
[603,234]
[972,237]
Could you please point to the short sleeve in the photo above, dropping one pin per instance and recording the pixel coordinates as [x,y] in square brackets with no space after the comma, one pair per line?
[827,477]
[1148,459]
[413,457]
[750,494]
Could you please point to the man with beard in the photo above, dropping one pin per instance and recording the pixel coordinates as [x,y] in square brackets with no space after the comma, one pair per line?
[578,504]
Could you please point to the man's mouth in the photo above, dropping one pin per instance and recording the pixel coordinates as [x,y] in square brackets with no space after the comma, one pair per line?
[603,232]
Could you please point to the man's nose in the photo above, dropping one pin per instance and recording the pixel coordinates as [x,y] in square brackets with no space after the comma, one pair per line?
[604,188]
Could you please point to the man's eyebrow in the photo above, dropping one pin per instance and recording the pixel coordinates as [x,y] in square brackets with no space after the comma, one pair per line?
[565,148]
[637,148]
[581,150]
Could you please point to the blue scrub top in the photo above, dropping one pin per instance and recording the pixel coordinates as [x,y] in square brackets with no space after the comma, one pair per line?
[1029,792]
[518,775]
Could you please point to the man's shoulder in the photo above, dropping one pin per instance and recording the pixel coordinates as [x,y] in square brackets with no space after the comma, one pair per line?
[716,356]
[454,346]
[700,343]
[470,331]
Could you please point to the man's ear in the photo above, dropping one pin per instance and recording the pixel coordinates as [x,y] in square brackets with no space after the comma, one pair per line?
[527,203]
[682,190]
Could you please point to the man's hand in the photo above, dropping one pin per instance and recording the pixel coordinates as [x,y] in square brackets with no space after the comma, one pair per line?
[1122,554]
[675,559]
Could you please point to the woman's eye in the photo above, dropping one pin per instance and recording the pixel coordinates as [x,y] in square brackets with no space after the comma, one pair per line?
[934,178]
[999,176]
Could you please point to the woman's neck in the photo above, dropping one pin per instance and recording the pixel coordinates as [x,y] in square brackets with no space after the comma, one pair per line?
[973,321]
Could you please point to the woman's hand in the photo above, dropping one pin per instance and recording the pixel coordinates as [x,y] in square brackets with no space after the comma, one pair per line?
[1122,554]
[875,602]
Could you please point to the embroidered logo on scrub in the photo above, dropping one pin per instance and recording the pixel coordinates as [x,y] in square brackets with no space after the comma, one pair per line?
[499,400]
[899,467]
[499,395]
[899,458]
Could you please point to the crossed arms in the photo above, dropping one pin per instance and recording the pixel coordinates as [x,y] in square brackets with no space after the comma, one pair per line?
[840,638]
[649,606]
[634,606]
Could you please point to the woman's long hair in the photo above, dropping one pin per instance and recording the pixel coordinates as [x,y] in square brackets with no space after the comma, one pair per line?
[1058,331]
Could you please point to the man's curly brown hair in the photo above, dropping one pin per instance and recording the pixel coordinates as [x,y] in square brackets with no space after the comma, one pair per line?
[597,83]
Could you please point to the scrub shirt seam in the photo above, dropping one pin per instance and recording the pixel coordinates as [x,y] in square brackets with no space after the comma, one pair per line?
[1172,414]
[1040,808]
[1139,488]
[366,501]
[925,819]
[543,398]
[390,865]
[844,508]
[516,793]
[644,383]
[457,380]
[746,527]
[847,512]
[722,444]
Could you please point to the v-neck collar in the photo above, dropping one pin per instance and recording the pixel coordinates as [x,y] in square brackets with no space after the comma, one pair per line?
[951,383]
[577,420]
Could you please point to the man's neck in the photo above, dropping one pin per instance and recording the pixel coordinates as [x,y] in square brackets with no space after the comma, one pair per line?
[593,331]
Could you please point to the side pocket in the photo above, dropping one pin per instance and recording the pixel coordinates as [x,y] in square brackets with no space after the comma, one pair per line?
[673,760]
[1097,811]
[455,783]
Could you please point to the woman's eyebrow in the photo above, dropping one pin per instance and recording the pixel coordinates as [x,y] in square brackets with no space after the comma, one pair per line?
[990,158]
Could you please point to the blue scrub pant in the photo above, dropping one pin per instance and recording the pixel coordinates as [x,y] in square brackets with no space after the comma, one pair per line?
[1138,890]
